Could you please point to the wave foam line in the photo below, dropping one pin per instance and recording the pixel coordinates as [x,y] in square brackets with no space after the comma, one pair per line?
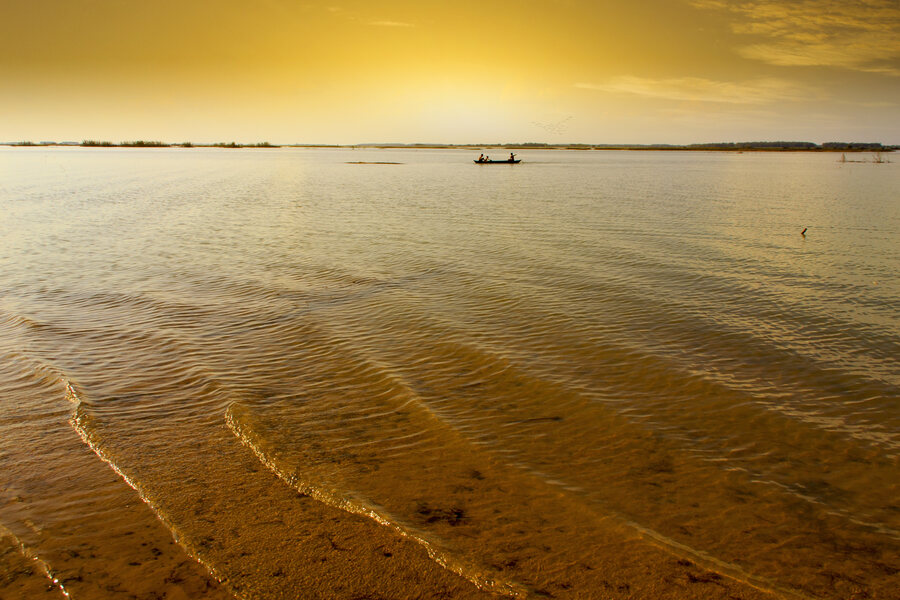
[33,556]
[466,571]
[706,560]
[78,423]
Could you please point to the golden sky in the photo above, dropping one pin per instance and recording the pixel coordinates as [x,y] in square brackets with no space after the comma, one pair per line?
[356,71]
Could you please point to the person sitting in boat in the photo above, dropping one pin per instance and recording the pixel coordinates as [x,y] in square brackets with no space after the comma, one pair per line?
[481,157]
[512,157]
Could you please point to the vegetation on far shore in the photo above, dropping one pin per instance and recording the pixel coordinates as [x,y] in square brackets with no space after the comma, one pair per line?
[234,145]
[158,144]
[714,146]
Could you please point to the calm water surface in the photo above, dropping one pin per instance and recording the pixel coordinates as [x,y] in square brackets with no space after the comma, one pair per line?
[591,375]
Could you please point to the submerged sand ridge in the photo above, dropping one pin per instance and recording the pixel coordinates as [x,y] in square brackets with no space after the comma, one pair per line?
[101,541]
[290,542]
[430,472]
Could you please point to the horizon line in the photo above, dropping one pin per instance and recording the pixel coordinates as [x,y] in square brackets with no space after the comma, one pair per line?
[743,145]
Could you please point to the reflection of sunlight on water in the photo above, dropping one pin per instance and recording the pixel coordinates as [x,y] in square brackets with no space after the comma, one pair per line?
[596,372]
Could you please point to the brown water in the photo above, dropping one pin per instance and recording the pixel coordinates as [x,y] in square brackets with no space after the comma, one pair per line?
[591,375]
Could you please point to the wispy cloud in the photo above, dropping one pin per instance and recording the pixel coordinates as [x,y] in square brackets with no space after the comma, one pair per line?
[343,13]
[863,35]
[697,89]
[391,24]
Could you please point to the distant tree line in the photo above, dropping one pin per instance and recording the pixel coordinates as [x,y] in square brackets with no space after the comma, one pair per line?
[713,146]
[853,146]
[144,144]
[845,146]
[158,144]
[234,145]
[757,146]
[781,145]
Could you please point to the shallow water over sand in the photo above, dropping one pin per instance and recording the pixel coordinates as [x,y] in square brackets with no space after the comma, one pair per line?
[593,374]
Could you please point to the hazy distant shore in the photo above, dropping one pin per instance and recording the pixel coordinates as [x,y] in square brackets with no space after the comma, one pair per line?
[706,147]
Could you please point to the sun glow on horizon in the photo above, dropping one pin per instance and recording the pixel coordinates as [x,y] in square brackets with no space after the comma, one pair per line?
[669,71]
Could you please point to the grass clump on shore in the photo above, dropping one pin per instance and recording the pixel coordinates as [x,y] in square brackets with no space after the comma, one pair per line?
[97,143]
[235,145]
[144,144]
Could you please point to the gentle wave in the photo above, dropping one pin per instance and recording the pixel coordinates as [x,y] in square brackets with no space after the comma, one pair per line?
[237,421]
[35,559]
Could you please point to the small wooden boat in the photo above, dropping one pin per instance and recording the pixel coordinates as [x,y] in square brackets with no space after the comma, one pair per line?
[497,162]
